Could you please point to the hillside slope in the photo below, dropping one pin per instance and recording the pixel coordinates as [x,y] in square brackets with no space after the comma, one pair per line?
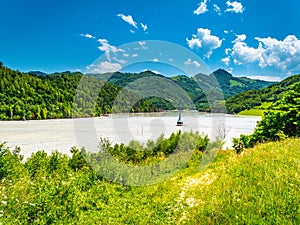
[249,99]
[260,187]
[231,85]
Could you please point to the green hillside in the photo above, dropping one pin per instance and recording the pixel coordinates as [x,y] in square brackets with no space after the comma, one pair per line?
[196,87]
[26,96]
[260,187]
[36,95]
[229,84]
[260,99]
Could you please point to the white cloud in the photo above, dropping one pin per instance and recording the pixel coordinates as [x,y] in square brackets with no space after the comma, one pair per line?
[235,7]
[105,67]
[128,19]
[125,54]
[144,27]
[196,63]
[132,31]
[135,55]
[202,8]
[108,49]
[190,62]
[171,60]
[226,32]
[239,38]
[217,9]
[243,54]
[266,78]
[155,60]
[281,54]
[194,42]
[227,51]
[226,60]
[205,40]
[88,36]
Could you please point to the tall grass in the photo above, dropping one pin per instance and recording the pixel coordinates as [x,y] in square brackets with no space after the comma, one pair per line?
[262,186]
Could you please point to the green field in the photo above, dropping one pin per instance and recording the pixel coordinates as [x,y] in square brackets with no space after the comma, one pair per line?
[262,186]
[256,110]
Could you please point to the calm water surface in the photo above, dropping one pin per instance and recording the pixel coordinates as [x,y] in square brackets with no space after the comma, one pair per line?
[62,134]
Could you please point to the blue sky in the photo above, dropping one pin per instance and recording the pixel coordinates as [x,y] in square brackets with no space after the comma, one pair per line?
[258,39]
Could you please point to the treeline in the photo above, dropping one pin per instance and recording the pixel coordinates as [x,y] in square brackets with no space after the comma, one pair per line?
[249,99]
[280,121]
[30,97]
[27,96]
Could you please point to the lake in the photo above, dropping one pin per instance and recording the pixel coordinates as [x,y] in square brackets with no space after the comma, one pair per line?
[62,134]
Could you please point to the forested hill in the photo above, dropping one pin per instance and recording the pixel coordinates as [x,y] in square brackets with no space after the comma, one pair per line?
[231,85]
[36,95]
[256,98]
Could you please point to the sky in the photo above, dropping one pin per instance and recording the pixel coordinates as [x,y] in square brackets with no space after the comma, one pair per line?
[256,38]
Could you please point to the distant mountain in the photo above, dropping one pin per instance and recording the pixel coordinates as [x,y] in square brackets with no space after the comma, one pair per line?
[229,84]
[249,99]
[38,73]
[37,95]
[197,87]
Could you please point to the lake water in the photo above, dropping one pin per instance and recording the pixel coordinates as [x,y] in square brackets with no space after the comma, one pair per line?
[62,134]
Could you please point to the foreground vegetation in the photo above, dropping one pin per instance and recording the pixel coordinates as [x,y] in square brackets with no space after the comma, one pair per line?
[260,187]
[280,120]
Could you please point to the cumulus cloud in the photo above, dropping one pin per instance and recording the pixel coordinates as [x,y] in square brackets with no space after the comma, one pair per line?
[281,54]
[88,36]
[204,40]
[105,67]
[128,19]
[242,54]
[235,7]
[144,27]
[202,8]
[239,38]
[155,60]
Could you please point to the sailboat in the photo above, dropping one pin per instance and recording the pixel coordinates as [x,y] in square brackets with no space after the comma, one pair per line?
[179,121]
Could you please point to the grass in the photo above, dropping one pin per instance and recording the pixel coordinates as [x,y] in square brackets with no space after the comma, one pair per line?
[262,186]
[257,110]
[252,112]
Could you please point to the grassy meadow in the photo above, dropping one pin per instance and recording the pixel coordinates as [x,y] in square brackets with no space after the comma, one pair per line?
[262,186]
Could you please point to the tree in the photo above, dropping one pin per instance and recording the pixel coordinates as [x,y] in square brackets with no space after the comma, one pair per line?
[281,120]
